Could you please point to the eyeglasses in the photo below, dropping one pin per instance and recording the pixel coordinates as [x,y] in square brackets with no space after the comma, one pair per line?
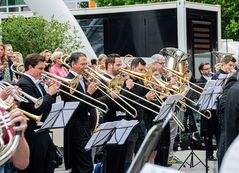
[83,64]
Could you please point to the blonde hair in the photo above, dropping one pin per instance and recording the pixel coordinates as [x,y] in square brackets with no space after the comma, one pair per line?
[20,57]
[101,57]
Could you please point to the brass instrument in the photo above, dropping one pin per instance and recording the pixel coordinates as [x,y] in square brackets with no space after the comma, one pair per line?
[179,90]
[168,87]
[72,84]
[128,58]
[176,53]
[17,95]
[219,56]
[7,149]
[147,77]
[64,59]
[111,84]
[72,90]
[7,107]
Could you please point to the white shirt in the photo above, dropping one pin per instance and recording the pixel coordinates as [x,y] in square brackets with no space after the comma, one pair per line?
[81,79]
[36,82]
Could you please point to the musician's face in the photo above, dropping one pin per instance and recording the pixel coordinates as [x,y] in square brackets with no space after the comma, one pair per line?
[81,65]
[229,67]
[116,66]
[140,68]
[37,70]
[206,70]
[160,65]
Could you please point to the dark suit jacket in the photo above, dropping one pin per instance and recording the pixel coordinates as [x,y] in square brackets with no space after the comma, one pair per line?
[38,142]
[79,118]
[27,85]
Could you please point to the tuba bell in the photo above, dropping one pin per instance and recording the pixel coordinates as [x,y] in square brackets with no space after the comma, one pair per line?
[7,149]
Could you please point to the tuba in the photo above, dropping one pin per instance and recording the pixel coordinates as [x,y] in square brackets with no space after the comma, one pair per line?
[7,149]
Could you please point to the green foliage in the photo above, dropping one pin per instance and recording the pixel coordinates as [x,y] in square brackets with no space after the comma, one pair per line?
[230,12]
[35,34]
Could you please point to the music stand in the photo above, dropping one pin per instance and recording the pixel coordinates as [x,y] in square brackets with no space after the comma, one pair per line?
[154,134]
[211,92]
[111,133]
[59,115]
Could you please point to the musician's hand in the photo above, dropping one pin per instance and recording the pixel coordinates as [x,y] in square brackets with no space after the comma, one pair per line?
[18,121]
[53,89]
[14,80]
[173,80]
[129,84]
[6,92]
[92,87]
[114,94]
[150,96]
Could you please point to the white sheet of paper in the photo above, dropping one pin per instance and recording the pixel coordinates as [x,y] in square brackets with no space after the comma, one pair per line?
[150,168]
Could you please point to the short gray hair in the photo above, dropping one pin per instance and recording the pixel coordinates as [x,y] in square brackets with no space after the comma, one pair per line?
[156,57]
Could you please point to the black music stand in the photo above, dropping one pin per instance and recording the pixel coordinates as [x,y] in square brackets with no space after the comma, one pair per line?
[154,134]
[111,133]
[211,92]
[59,116]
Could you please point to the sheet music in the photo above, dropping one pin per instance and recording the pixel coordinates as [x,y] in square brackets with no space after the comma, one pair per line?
[101,136]
[117,131]
[122,132]
[211,92]
[59,116]
[167,106]
[231,158]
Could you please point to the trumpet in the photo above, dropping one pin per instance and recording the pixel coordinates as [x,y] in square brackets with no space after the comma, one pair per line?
[5,106]
[17,95]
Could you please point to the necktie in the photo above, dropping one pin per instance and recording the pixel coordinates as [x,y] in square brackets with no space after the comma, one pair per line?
[40,88]
[82,83]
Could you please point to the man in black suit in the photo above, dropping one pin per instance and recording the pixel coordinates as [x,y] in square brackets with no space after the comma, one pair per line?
[208,126]
[78,132]
[42,153]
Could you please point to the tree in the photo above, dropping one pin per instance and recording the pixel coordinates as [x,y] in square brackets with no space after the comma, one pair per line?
[35,34]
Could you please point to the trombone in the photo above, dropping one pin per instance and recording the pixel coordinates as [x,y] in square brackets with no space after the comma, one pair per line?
[112,84]
[71,84]
[146,77]
[17,95]
[133,101]
[64,83]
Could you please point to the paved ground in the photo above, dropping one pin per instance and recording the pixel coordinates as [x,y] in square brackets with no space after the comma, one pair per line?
[182,155]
